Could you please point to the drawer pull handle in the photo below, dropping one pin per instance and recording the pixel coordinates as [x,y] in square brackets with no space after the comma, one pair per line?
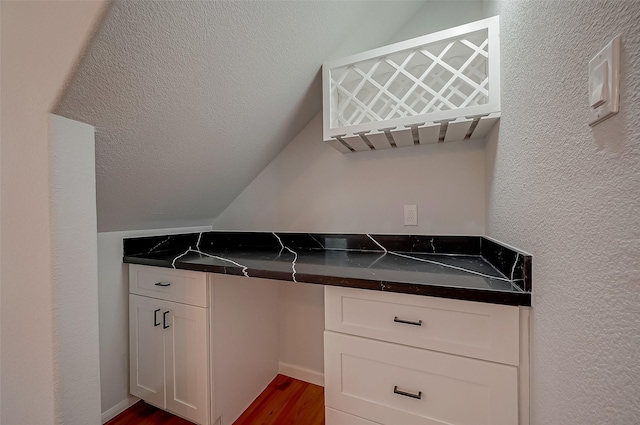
[155,318]
[407,322]
[406,394]
[164,320]
[162,284]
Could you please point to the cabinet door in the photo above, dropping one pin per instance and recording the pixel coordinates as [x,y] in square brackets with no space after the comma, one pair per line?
[186,365]
[394,384]
[146,349]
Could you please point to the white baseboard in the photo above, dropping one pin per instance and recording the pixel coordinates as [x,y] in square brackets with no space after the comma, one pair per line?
[119,408]
[301,373]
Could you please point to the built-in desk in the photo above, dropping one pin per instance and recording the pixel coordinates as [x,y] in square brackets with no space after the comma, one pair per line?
[471,268]
[418,329]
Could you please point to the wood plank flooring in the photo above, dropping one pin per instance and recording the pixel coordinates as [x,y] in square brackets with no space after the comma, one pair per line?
[285,401]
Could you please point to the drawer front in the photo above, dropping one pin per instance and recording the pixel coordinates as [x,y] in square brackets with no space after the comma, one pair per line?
[393,384]
[472,329]
[336,417]
[182,286]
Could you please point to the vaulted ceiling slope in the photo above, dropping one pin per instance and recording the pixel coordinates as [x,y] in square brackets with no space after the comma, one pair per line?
[192,100]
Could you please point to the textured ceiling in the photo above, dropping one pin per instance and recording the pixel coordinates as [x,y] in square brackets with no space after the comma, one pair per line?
[192,100]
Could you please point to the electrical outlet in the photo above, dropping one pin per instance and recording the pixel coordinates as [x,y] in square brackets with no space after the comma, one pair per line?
[410,215]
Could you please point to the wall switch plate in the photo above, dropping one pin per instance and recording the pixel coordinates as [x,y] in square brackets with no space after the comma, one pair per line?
[410,215]
[604,83]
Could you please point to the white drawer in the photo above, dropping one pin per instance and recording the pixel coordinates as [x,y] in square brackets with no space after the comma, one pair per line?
[182,286]
[472,329]
[366,378]
[336,417]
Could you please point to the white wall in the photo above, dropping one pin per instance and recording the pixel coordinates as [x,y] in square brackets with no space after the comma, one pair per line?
[570,195]
[313,187]
[41,42]
[310,187]
[113,290]
[439,15]
[75,272]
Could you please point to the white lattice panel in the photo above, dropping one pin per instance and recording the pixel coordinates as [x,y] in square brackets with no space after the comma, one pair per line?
[412,92]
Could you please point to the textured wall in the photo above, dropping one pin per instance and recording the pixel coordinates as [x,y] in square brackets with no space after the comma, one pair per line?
[41,42]
[75,272]
[570,195]
[191,100]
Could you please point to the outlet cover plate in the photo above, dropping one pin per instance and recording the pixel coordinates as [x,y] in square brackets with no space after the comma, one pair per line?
[410,215]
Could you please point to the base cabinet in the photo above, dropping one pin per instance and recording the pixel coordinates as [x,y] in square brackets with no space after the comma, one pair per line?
[202,346]
[391,359]
[169,356]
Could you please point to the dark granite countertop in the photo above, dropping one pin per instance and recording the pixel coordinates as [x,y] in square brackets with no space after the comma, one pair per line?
[470,268]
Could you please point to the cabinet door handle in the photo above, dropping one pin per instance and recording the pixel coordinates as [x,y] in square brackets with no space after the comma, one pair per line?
[406,394]
[155,318]
[162,284]
[407,322]
[164,320]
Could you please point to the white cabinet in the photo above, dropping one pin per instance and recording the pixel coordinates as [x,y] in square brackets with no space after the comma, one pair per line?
[404,359]
[396,384]
[182,286]
[169,356]
[146,349]
[477,330]
[169,340]
[244,330]
[186,356]
[202,346]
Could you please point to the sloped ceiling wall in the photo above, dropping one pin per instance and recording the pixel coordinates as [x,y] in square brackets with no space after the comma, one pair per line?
[192,100]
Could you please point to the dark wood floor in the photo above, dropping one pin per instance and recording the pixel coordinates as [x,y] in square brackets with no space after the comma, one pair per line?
[286,401]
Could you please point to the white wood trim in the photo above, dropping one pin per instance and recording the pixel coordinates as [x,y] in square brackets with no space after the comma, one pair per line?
[371,104]
[494,64]
[418,41]
[301,373]
[326,99]
[524,369]
[119,408]
[433,117]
